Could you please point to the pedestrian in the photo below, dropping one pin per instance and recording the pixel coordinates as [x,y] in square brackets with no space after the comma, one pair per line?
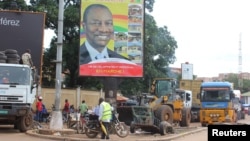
[66,109]
[83,108]
[39,109]
[83,111]
[26,58]
[105,116]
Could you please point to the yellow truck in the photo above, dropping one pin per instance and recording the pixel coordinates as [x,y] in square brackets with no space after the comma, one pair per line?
[194,87]
[217,104]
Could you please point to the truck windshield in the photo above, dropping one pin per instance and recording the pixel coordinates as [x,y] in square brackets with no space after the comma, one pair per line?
[164,88]
[14,75]
[215,95]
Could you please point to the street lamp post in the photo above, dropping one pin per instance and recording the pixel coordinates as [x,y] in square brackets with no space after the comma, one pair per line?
[56,122]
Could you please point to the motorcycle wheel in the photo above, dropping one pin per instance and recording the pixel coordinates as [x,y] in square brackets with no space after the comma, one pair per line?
[121,130]
[91,132]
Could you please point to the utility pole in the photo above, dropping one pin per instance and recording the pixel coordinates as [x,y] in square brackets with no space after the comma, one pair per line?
[240,79]
[56,122]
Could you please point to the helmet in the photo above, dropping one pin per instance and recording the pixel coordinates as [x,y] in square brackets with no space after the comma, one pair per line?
[40,97]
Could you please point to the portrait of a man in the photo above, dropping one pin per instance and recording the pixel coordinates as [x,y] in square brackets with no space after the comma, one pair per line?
[98,26]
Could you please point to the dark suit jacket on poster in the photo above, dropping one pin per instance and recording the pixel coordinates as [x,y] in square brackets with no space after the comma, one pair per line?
[85,56]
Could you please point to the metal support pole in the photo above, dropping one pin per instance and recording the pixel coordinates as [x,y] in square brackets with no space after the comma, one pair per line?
[56,121]
[110,89]
[78,97]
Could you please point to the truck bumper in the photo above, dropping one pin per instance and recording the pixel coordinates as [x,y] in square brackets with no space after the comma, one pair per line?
[11,109]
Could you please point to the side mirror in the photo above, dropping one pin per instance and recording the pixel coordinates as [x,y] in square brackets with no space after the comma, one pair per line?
[232,95]
[33,86]
[188,97]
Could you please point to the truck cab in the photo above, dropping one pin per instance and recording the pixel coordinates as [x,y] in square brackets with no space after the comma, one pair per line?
[217,103]
[16,95]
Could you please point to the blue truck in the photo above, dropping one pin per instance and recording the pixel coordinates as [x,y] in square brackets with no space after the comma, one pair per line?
[217,103]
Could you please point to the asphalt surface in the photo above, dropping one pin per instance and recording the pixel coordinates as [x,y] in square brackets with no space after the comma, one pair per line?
[138,136]
[180,134]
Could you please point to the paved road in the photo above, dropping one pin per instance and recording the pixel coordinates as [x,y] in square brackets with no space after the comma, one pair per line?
[7,133]
[202,136]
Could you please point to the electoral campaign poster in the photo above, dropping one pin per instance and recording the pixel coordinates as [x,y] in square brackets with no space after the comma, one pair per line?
[111,38]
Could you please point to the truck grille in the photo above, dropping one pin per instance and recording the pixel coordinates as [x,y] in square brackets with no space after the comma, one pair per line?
[10,99]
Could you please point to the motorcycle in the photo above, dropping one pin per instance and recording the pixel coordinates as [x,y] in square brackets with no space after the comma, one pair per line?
[93,127]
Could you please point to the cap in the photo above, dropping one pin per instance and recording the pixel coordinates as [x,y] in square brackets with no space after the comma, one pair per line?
[40,97]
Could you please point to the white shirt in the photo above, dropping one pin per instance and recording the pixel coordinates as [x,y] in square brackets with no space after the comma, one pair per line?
[95,54]
[26,58]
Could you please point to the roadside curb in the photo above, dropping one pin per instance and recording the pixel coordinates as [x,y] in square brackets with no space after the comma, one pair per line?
[183,134]
[67,138]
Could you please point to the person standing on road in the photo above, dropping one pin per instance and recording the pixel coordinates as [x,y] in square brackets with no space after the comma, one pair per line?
[66,109]
[83,108]
[39,109]
[83,111]
[105,116]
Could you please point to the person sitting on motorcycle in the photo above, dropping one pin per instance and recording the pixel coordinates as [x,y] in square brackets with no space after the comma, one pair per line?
[95,114]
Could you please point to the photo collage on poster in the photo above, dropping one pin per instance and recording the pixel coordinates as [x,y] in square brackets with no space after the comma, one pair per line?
[130,43]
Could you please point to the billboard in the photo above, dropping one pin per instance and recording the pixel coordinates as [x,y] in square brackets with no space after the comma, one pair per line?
[187,71]
[21,30]
[111,38]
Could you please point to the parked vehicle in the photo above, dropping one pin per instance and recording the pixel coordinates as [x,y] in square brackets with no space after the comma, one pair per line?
[194,87]
[93,127]
[246,108]
[216,103]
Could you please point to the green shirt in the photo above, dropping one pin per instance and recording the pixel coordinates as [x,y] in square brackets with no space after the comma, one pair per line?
[83,108]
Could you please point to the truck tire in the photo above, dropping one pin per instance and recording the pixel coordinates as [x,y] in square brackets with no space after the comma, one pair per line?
[25,123]
[238,115]
[165,113]
[163,128]
[10,51]
[132,127]
[242,115]
[2,61]
[186,118]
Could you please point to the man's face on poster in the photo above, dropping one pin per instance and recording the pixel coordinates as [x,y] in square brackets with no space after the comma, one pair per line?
[99,27]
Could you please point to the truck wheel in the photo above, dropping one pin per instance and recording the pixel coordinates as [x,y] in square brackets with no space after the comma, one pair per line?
[165,113]
[203,125]
[186,118]
[235,118]
[242,115]
[163,128]
[25,123]
[132,127]
[10,51]
[238,115]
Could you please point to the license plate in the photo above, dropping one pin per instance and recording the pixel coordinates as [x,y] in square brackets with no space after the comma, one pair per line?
[3,112]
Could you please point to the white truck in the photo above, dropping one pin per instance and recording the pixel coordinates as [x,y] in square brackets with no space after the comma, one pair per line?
[238,104]
[194,87]
[17,94]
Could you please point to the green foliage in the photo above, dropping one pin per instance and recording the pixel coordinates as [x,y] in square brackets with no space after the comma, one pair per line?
[6,4]
[233,78]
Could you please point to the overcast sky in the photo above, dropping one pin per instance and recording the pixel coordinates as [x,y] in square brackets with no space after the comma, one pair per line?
[208,33]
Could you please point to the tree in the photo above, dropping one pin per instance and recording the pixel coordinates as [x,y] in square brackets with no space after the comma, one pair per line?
[233,78]
[158,41]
